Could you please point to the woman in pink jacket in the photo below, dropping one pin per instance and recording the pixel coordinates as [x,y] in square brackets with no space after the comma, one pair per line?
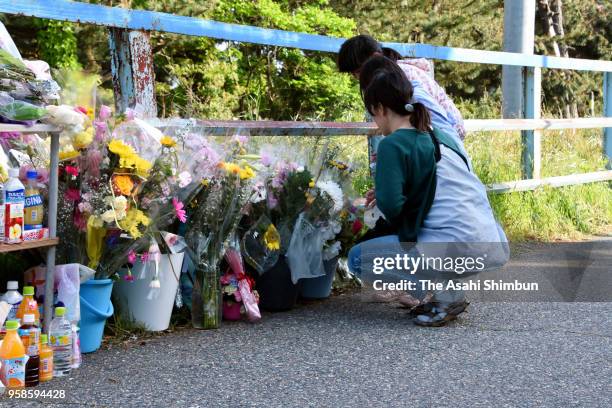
[356,50]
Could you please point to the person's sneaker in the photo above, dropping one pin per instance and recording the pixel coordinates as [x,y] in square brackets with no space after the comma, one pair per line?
[441,314]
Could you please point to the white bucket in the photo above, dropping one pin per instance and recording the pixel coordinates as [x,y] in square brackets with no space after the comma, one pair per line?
[151,307]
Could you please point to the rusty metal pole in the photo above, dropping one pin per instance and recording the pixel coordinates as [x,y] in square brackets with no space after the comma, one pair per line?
[132,70]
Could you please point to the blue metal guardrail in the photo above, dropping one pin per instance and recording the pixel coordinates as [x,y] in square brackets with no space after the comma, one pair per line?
[120,18]
[155,21]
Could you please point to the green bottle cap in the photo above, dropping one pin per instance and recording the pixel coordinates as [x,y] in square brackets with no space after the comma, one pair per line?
[44,339]
[28,290]
[12,325]
[60,311]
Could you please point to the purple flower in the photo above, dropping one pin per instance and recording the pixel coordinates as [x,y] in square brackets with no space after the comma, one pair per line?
[105,112]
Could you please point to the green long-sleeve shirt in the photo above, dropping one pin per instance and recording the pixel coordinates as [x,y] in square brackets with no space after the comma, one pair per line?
[405,182]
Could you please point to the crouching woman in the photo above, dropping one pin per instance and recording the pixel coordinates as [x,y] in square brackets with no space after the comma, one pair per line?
[428,193]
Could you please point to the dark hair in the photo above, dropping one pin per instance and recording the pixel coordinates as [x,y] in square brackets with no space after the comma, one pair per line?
[355,51]
[383,83]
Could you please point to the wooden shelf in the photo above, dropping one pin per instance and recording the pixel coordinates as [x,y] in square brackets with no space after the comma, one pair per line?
[37,128]
[43,243]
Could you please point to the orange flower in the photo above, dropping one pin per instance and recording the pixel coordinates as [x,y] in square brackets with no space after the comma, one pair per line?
[123,184]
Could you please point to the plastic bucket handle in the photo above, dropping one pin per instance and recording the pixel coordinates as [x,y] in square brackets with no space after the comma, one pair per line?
[97,312]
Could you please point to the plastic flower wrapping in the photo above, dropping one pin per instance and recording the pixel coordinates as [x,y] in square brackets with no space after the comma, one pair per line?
[120,188]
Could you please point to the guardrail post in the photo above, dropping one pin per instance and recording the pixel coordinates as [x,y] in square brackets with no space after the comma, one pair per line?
[531,139]
[607,136]
[132,69]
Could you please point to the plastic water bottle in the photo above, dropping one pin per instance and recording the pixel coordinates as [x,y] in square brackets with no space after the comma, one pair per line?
[76,347]
[13,298]
[60,334]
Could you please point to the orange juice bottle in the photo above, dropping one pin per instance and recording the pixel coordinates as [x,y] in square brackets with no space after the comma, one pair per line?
[28,305]
[13,357]
[45,372]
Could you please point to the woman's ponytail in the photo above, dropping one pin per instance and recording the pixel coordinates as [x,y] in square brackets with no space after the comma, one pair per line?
[420,118]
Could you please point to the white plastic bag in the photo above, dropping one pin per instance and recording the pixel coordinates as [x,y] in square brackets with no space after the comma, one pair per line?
[66,287]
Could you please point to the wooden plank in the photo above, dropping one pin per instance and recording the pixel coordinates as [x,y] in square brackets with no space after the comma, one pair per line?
[132,70]
[43,243]
[607,137]
[560,181]
[86,13]
[531,140]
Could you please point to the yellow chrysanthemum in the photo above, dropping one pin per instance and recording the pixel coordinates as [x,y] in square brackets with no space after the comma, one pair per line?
[167,141]
[120,149]
[133,221]
[205,182]
[231,168]
[68,154]
[247,173]
[272,238]
[312,183]
[83,139]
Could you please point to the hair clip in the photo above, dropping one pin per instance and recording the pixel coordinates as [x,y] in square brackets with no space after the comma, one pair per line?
[409,107]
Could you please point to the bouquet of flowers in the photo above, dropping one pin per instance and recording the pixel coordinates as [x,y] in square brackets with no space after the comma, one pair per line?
[237,287]
[217,205]
[117,198]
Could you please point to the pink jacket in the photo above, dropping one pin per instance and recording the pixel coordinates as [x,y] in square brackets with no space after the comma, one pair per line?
[421,70]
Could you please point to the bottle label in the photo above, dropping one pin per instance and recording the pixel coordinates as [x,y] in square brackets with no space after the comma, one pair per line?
[31,340]
[33,201]
[12,314]
[46,367]
[1,222]
[13,222]
[15,196]
[63,340]
[12,372]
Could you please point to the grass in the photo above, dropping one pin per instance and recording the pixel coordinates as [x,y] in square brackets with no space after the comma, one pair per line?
[546,213]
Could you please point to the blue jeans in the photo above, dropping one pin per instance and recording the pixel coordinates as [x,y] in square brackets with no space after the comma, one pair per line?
[361,260]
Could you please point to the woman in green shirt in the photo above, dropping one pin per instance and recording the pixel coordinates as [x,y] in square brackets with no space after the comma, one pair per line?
[426,189]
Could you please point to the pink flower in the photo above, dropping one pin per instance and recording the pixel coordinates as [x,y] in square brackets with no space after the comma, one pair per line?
[81,109]
[144,257]
[131,256]
[73,171]
[105,112]
[100,130]
[72,194]
[181,214]
[129,277]
[80,221]
[94,159]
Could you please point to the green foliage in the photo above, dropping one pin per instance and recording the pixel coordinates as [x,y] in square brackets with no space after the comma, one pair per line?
[57,44]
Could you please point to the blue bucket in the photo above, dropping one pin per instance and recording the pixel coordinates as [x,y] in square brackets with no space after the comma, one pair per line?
[320,287]
[96,307]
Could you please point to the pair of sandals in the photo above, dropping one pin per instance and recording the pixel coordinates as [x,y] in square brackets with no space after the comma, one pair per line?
[426,312]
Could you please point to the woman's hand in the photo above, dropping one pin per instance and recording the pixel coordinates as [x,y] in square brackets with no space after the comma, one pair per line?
[370,199]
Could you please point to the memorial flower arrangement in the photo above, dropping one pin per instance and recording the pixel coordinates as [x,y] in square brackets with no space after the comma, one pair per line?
[218,202]
[120,190]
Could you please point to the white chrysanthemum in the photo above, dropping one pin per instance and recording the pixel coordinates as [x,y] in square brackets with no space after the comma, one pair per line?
[334,191]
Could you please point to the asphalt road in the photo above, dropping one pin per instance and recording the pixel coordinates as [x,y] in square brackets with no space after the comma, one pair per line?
[345,352]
